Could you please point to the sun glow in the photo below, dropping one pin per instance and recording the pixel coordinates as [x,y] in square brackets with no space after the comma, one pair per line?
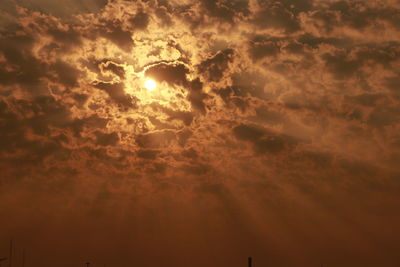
[150,85]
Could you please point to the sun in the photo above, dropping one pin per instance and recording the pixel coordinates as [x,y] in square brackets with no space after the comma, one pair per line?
[150,85]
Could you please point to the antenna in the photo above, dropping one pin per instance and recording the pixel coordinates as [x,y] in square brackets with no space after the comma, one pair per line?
[11,252]
[249,261]
[23,258]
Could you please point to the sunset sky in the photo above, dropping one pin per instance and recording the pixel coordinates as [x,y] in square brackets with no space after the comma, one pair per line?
[197,133]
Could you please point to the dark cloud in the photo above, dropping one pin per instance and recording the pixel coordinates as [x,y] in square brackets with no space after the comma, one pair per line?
[341,66]
[368,100]
[275,15]
[158,139]
[164,16]
[196,95]
[260,48]
[19,127]
[173,74]
[381,117]
[248,83]
[104,139]
[228,96]
[117,93]
[176,74]
[358,15]
[64,9]
[264,141]
[225,10]
[140,21]
[215,66]
[184,116]
[67,74]
[270,116]
[113,31]
[393,83]
[314,41]
[196,169]
[26,69]
[147,154]
[114,68]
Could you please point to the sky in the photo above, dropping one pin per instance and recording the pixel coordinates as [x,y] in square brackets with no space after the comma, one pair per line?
[273,132]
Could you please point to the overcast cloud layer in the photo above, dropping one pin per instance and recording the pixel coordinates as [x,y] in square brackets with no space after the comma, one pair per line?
[274,132]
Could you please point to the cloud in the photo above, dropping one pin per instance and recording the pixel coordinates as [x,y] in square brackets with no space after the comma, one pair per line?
[274,124]
[117,93]
[214,67]
[263,140]
[140,21]
[173,74]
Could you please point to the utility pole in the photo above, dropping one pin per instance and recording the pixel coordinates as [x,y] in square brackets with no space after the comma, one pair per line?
[23,258]
[11,252]
[249,262]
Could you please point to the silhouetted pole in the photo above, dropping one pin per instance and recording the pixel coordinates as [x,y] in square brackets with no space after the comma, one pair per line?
[87,264]
[23,258]
[11,252]
[249,261]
